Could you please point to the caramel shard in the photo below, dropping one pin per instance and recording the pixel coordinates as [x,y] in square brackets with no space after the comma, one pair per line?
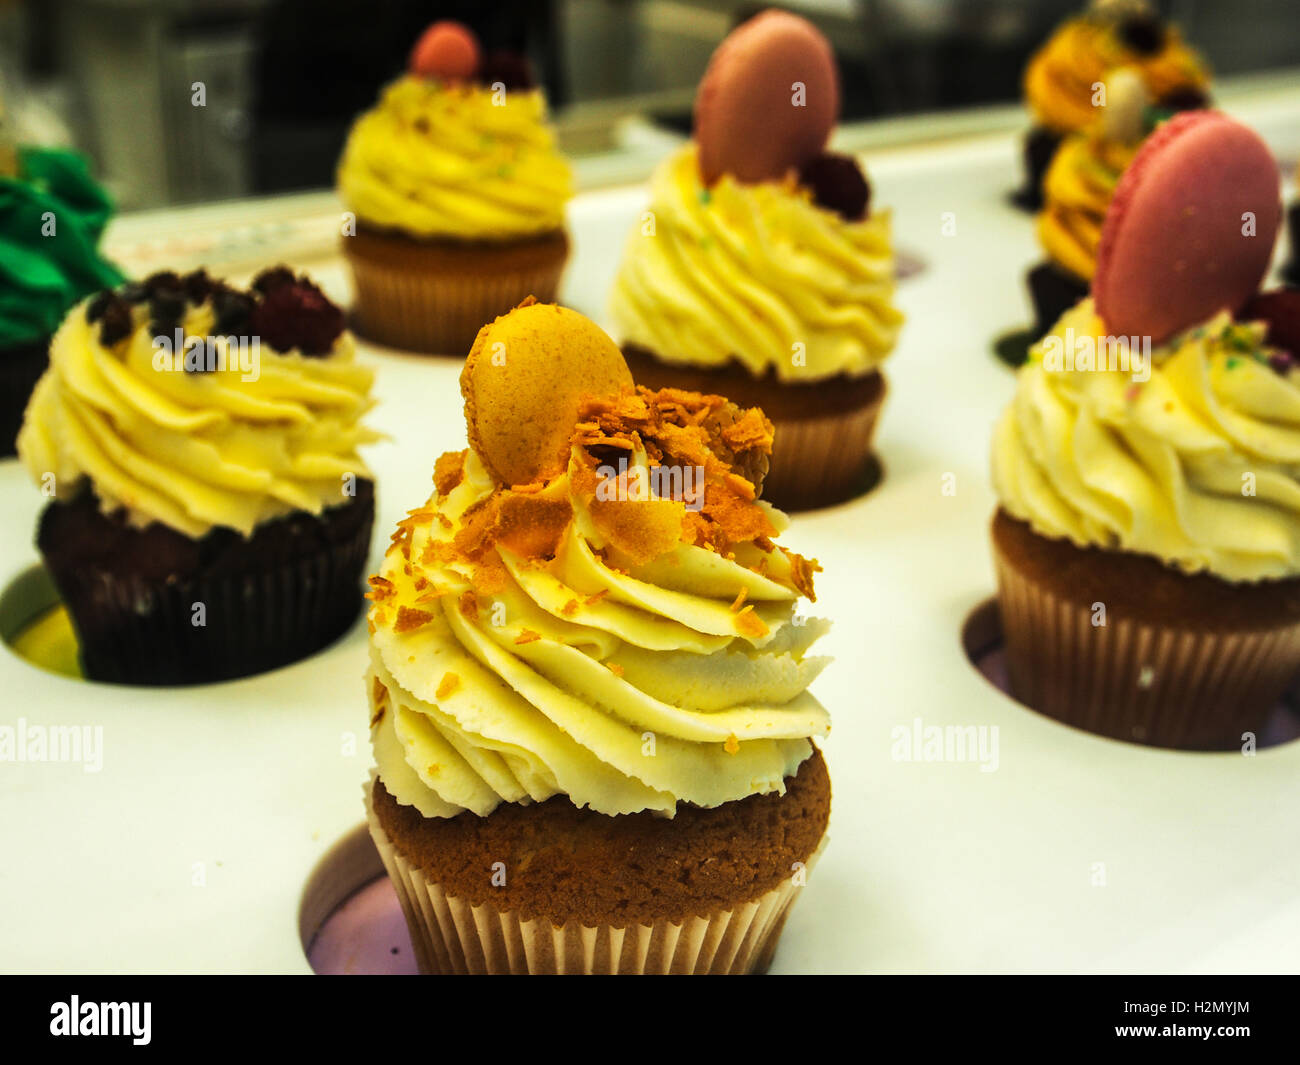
[801,573]
[527,636]
[408,619]
[732,745]
[615,668]
[468,603]
[449,683]
[740,599]
[749,623]
[570,608]
[380,588]
[448,471]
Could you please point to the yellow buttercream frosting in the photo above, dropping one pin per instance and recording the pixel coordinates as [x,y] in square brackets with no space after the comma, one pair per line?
[1061,79]
[1196,466]
[627,682]
[756,273]
[1077,191]
[456,161]
[233,447]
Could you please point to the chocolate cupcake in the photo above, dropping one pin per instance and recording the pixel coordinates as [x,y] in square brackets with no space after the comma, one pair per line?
[457,193]
[210,515]
[588,683]
[51,217]
[1291,269]
[1147,541]
[1061,80]
[762,271]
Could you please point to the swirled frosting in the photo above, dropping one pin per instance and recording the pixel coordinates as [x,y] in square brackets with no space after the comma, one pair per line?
[455,161]
[626,650]
[1061,77]
[233,447]
[757,273]
[1077,190]
[51,217]
[1196,466]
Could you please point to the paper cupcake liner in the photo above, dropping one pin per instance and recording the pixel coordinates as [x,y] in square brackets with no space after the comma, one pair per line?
[437,307]
[451,936]
[1133,680]
[259,616]
[823,460]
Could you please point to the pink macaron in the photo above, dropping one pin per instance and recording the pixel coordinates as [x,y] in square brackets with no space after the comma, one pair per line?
[1191,229]
[768,100]
[446,51]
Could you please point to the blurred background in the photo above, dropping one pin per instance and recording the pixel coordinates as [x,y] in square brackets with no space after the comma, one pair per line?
[283,78]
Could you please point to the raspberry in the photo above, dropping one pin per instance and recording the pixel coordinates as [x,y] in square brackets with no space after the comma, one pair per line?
[296,314]
[1281,310]
[837,184]
[512,69]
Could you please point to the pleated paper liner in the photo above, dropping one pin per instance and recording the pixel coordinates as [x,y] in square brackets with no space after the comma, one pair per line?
[1135,678]
[435,297]
[260,611]
[451,936]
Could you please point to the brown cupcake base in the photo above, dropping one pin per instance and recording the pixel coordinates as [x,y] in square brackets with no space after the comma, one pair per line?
[707,891]
[280,595]
[824,429]
[1040,146]
[21,366]
[434,296]
[1183,661]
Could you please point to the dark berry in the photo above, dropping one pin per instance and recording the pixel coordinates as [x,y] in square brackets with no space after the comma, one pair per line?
[272,278]
[133,292]
[1145,34]
[1281,310]
[509,68]
[297,315]
[116,323]
[163,279]
[197,285]
[98,304]
[233,311]
[837,184]
[1187,98]
[167,305]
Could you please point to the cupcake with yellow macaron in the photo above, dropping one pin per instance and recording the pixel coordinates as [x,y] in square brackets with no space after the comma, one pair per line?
[457,195]
[1062,79]
[588,685]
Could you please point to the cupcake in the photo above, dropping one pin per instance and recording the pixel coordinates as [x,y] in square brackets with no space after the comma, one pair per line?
[210,515]
[457,192]
[51,218]
[761,271]
[588,683]
[1062,79]
[1147,541]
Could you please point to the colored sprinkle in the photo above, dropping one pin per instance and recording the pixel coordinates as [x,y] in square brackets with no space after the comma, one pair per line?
[705,196]
[1232,362]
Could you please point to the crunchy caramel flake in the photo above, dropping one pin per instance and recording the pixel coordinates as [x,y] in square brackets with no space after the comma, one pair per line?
[732,746]
[527,636]
[570,608]
[443,520]
[750,430]
[468,604]
[740,486]
[592,600]
[448,471]
[741,596]
[433,769]
[801,573]
[408,619]
[449,683]
[748,623]
[615,668]
[380,588]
